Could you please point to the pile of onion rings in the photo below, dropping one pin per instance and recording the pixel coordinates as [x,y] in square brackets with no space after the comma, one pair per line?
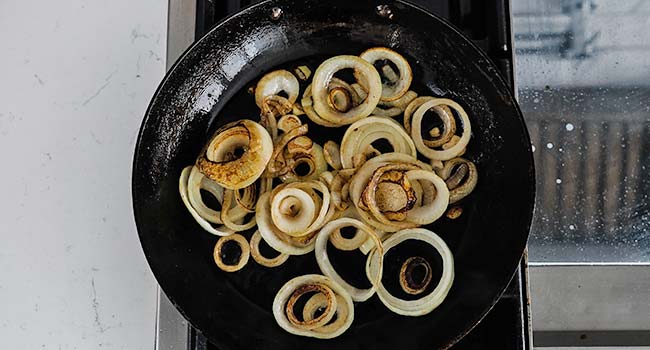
[390,174]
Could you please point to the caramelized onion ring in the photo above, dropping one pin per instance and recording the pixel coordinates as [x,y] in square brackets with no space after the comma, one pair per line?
[319,301]
[243,257]
[406,275]
[324,318]
[215,162]
[285,293]
[416,132]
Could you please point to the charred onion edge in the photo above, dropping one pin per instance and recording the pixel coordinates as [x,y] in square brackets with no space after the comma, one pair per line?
[467,186]
[324,318]
[243,257]
[318,301]
[241,172]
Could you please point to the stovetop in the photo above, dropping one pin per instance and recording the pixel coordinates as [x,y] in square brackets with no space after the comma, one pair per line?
[487,22]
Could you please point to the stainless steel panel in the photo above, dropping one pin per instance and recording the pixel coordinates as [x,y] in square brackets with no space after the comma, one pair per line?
[590,297]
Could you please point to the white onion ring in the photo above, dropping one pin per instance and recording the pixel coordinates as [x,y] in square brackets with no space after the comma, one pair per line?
[289,199]
[416,132]
[320,89]
[273,83]
[427,303]
[430,212]
[287,290]
[370,129]
[197,182]
[254,243]
[322,258]
[275,238]
[394,91]
[182,188]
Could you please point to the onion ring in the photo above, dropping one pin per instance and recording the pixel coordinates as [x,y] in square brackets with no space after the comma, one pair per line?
[395,90]
[254,243]
[243,257]
[285,293]
[275,82]
[332,153]
[427,303]
[320,91]
[466,184]
[406,275]
[429,212]
[322,258]
[416,132]
[292,211]
[443,112]
[242,172]
[318,301]
[323,319]
[205,224]
[370,129]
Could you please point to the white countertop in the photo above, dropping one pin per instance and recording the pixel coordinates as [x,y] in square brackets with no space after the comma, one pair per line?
[75,79]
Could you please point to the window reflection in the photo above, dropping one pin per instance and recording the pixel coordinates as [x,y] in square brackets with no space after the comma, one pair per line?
[583,78]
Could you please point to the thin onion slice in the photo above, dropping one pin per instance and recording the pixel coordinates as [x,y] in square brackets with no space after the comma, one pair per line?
[283,295]
[216,159]
[416,132]
[348,244]
[466,185]
[320,321]
[429,212]
[429,302]
[183,188]
[390,91]
[275,82]
[197,182]
[370,129]
[322,258]
[243,257]
[320,89]
[254,243]
[319,301]
[406,275]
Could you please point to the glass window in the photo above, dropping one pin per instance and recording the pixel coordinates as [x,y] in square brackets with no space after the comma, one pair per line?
[583,79]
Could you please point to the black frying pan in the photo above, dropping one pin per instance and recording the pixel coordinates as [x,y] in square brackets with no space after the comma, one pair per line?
[202,92]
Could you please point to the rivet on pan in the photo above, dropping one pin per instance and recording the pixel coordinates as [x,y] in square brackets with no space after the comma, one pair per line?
[276,13]
[384,11]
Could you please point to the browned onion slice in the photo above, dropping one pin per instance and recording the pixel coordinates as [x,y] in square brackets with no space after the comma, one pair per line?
[218,160]
[243,257]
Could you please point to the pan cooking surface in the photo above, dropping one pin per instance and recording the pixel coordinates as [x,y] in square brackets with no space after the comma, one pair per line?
[207,88]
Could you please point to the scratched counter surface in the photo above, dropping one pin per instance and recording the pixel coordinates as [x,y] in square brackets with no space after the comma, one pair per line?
[75,79]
